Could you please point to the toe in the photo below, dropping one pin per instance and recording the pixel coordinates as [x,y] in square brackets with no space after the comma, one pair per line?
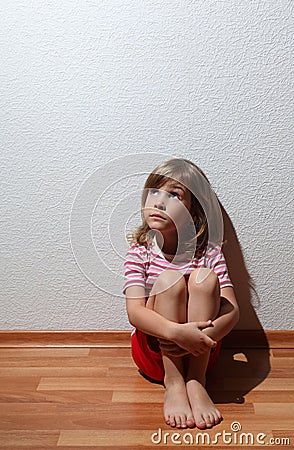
[212,419]
[216,418]
[178,421]
[172,421]
[200,422]
[219,416]
[183,421]
[190,422]
[207,420]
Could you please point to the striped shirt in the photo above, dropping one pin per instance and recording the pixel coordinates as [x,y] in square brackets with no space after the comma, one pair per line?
[144,264]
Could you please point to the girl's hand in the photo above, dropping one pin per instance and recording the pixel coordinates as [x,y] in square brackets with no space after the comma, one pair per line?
[190,337]
[171,348]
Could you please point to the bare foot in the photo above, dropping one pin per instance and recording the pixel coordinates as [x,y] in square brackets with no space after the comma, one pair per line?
[205,412]
[177,411]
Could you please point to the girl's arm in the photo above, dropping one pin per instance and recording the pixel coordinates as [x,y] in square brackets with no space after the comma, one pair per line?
[188,335]
[228,315]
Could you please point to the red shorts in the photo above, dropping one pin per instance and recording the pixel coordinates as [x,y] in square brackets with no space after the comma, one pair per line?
[149,361]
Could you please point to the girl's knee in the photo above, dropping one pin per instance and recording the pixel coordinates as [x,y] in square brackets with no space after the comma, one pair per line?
[204,279]
[169,280]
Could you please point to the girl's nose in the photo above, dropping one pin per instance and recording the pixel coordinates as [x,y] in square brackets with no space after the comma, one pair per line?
[159,202]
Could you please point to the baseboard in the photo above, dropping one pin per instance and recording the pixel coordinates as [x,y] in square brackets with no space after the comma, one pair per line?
[67,338]
[259,339]
[116,338]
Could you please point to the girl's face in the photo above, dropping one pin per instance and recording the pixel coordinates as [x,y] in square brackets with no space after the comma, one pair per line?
[168,208]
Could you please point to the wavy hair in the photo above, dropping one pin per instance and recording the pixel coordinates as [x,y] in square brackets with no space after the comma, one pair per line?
[193,178]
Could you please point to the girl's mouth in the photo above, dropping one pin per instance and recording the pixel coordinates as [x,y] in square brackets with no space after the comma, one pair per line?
[157,216]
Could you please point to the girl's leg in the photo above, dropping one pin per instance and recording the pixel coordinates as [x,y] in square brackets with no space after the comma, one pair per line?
[204,304]
[169,298]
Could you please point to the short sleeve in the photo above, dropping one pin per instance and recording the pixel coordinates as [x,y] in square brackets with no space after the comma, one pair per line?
[215,260]
[135,267]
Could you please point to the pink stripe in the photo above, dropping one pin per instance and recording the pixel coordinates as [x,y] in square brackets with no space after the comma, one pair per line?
[143,266]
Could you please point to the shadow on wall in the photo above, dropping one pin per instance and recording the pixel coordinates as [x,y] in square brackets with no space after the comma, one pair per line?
[240,367]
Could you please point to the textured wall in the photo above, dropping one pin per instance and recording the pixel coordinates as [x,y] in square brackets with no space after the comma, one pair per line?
[84,82]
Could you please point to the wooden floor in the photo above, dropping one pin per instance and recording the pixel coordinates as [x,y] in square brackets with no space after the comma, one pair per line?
[94,398]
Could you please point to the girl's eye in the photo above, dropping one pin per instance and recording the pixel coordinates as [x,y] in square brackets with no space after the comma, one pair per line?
[153,191]
[174,195]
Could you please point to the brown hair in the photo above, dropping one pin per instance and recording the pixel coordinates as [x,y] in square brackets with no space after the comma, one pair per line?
[190,175]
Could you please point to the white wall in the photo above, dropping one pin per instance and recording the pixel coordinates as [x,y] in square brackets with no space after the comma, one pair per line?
[85,82]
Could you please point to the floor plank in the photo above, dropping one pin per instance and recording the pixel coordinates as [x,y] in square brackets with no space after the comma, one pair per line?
[71,398]
[92,384]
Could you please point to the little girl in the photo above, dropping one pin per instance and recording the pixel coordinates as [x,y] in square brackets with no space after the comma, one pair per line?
[179,296]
